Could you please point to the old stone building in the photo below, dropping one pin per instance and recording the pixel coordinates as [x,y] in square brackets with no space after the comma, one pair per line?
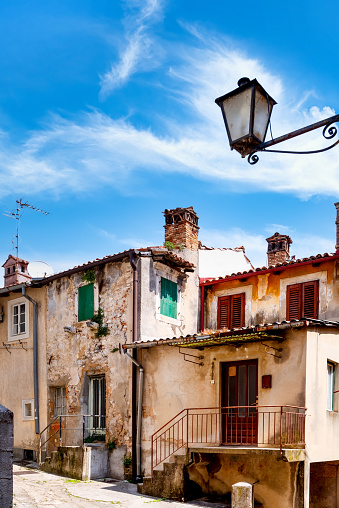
[75,388]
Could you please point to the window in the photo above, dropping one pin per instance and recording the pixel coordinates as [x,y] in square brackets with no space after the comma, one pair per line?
[97,405]
[168,298]
[330,386]
[60,401]
[302,300]
[18,322]
[231,311]
[86,302]
[28,409]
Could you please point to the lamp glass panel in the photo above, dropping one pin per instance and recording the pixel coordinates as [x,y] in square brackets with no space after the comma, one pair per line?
[262,110]
[237,110]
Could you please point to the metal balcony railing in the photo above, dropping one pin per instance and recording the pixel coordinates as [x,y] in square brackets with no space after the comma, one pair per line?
[270,426]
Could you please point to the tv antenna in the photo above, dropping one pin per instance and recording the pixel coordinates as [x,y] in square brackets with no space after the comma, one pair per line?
[16,215]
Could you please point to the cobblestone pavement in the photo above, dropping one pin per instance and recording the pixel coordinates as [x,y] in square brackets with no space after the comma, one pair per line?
[34,488]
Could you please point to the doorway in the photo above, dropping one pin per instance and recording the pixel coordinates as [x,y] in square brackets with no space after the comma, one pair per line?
[238,400]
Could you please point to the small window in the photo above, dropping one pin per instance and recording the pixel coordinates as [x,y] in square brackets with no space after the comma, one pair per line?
[86,302]
[19,319]
[231,311]
[168,298]
[97,405]
[330,386]
[60,401]
[302,300]
[28,409]
[18,325]
[8,270]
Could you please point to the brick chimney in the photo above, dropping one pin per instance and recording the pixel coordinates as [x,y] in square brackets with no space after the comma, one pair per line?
[278,250]
[181,227]
[15,271]
[337,229]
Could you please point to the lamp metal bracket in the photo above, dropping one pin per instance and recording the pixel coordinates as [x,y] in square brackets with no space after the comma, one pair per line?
[329,132]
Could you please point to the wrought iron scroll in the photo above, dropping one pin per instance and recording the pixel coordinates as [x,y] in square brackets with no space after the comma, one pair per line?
[329,132]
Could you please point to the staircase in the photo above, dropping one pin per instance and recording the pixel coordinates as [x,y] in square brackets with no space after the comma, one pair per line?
[170,480]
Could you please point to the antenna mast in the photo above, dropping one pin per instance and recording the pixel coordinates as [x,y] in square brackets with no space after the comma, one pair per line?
[16,215]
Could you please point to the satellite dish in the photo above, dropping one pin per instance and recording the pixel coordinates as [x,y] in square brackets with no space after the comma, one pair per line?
[39,269]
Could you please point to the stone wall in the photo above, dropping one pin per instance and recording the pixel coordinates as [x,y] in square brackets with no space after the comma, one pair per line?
[6,457]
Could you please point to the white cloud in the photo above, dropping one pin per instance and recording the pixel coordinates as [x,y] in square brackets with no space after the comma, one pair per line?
[73,156]
[139,52]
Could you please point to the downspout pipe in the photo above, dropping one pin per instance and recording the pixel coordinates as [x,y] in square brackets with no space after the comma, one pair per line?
[133,262]
[138,477]
[35,359]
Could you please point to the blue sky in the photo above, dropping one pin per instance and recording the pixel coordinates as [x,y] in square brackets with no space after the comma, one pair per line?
[107,117]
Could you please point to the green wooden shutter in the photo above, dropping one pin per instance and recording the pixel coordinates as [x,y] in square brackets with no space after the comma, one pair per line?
[86,302]
[168,298]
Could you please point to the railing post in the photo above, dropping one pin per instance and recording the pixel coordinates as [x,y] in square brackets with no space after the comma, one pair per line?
[281,413]
[60,436]
[152,459]
[83,428]
[186,430]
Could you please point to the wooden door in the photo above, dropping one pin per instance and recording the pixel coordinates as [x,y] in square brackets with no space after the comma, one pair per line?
[239,398]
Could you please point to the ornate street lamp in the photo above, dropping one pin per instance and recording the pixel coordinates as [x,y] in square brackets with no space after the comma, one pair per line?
[247,113]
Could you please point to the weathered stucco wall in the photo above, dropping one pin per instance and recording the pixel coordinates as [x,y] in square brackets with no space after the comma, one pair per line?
[17,380]
[152,323]
[266,293]
[172,384]
[322,426]
[74,357]
[277,483]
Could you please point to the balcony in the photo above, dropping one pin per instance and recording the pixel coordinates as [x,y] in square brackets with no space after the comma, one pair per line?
[228,428]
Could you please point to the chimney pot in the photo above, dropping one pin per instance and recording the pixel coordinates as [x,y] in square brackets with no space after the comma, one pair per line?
[181,227]
[278,249]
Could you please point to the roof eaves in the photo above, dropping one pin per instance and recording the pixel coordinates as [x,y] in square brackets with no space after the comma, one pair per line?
[319,258]
[233,336]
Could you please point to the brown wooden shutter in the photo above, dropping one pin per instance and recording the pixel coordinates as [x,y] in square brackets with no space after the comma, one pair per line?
[237,311]
[231,311]
[223,312]
[293,302]
[310,299]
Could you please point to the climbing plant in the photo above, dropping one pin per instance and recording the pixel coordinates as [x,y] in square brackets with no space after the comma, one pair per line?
[102,330]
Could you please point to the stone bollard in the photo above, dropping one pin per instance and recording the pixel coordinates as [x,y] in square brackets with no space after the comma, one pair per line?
[6,457]
[242,495]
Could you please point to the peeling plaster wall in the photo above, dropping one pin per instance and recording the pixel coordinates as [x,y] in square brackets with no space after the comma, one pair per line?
[266,293]
[152,323]
[74,357]
[171,384]
[17,380]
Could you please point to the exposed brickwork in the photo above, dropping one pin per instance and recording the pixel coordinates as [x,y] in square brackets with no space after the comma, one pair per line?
[337,228]
[278,250]
[181,227]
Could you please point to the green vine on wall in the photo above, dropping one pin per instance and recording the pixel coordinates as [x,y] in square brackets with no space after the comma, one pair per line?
[89,276]
[102,330]
[171,246]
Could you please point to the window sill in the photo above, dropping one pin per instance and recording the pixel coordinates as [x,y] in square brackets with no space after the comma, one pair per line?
[19,336]
[169,320]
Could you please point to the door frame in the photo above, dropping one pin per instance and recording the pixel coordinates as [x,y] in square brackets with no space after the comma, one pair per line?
[236,415]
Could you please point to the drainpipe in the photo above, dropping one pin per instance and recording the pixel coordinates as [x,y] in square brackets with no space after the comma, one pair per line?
[35,359]
[138,476]
[132,259]
[202,308]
